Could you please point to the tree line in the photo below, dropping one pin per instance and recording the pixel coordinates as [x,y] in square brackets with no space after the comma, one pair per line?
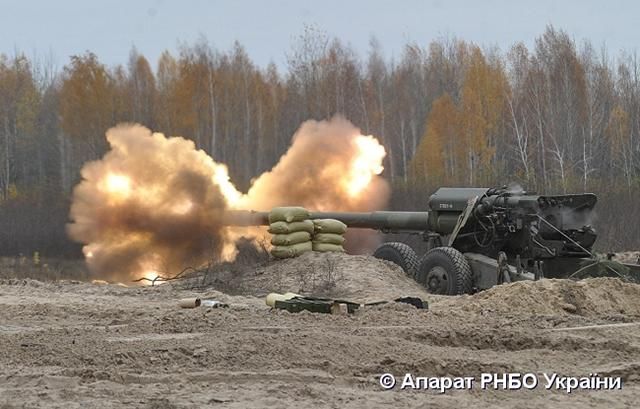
[558,117]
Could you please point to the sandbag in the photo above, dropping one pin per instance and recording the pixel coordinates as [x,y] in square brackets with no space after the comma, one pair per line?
[326,247]
[291,251]
[291,238]
[288,214]
[286,228]
[329,238]
[329,226]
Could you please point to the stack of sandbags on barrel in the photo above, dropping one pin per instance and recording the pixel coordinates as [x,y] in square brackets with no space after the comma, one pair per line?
[328,235]
[291,231]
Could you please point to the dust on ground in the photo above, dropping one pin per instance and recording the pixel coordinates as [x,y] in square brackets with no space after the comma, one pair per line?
[73,344]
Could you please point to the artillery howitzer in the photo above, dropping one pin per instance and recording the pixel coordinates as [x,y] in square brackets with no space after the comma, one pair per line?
[479,237]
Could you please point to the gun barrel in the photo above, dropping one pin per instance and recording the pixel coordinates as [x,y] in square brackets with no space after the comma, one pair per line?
[385,221]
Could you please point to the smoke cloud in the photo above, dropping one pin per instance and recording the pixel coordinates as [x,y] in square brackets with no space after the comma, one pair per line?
[154,205]
[149,205]
[330,166]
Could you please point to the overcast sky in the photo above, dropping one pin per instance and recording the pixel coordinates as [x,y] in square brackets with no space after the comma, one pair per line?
[266,28]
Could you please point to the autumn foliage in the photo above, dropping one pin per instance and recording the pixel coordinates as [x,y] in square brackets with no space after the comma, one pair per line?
[555,117]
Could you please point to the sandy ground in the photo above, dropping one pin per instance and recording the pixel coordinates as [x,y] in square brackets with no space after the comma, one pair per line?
[82,345]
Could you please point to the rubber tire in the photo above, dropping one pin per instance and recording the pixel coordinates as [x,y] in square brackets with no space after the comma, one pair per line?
[400,254]
[456,266]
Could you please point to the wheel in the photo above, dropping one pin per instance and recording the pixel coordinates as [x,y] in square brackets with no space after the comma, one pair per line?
[400,254]
[444,270]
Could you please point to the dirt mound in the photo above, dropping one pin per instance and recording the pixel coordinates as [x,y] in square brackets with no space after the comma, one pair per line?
[367,279]
[336,275]
[590,297]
